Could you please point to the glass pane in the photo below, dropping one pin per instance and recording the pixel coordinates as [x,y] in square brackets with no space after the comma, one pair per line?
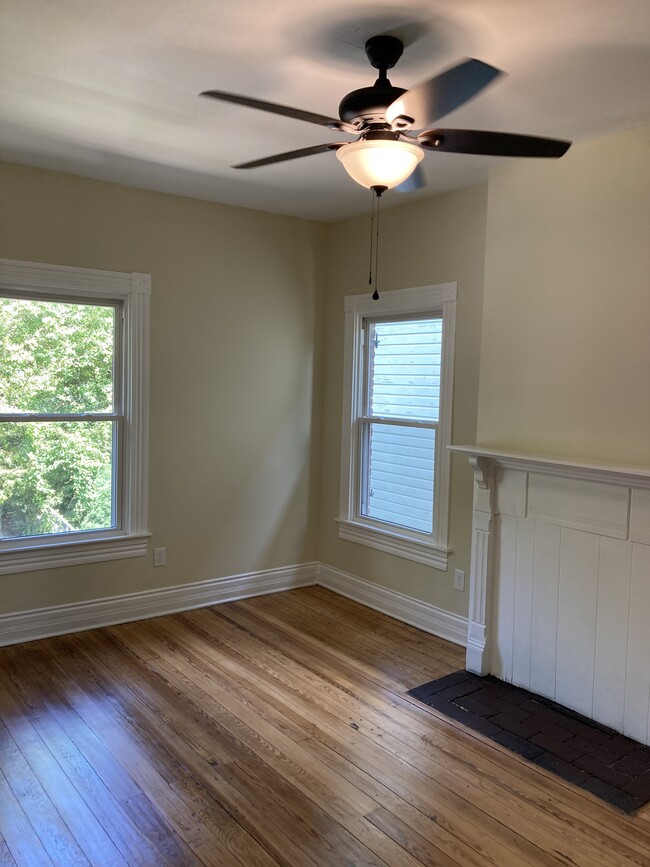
[55,356]
[404,368]
[55,477]
[398,475]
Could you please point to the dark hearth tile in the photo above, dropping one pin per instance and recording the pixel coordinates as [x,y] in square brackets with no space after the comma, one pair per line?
[436,686]
[622,800]
[483,726]
[457,690]
[518,745]
[510,708]
[515,695]
[563,769]
[543,711]
[635,762]
[588,733]
[523,728]
[639,786]
[468,702]
[591,724]
[488,694]
[608,751]
[615,749]
[598,769]
[557,747]
[554,732]
[576,749]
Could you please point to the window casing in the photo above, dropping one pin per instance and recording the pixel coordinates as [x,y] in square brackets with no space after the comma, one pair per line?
[401,509]
[125,534]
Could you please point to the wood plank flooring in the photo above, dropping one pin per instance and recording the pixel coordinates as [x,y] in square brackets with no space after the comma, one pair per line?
[274,731]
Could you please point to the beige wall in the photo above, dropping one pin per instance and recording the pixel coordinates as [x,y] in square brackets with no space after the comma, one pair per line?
[247,350]
[565,360]
[234,404]
[436,240]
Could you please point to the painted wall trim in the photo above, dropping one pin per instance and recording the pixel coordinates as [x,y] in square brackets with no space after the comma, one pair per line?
[423,615]
[60,619]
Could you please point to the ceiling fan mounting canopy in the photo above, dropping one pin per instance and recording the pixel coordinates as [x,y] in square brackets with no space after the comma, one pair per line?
[386,113]
[368,104]
[383,52]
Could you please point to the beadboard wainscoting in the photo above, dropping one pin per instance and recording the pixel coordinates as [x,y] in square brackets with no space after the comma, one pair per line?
[560,583]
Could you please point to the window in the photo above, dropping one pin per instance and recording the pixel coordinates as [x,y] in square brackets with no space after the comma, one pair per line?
[397,422]
[73,415]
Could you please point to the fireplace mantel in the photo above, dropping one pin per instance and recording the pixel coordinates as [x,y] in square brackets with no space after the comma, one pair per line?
[612,473]
[560,582]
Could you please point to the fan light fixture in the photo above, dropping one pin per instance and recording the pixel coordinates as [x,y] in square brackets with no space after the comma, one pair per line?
[382,163]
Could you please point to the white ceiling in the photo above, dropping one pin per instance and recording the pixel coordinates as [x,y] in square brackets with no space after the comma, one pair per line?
[109,88]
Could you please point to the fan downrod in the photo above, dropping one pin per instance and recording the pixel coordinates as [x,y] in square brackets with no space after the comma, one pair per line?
[383,52]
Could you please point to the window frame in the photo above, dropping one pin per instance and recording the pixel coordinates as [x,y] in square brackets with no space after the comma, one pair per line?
[430,549]
[130,294]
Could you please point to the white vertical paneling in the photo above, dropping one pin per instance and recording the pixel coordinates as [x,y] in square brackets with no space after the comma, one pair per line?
[637,689]
[614,575]
[504,597]
[512,493]
[576,622]
[523,603]
[543,639]
[561,553]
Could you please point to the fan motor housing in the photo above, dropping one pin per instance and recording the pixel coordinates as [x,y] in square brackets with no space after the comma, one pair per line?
[368,101]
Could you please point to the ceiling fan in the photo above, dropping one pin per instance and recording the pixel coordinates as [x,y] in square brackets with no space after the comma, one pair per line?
[386,153]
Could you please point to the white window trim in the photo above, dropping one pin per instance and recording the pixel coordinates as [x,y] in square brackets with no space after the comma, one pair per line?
[133,291]
[440,298]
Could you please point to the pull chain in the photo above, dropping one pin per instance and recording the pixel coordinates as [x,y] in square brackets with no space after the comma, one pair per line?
[374,238]
[372,235]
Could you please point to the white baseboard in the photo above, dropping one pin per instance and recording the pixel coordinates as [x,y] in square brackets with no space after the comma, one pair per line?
[423,615]
[59,619]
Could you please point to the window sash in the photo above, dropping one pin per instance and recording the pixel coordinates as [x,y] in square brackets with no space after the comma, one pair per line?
[363,426]
[364,402]
[117,476]
[129,294]
[424,302]
[367,418]
[116,416]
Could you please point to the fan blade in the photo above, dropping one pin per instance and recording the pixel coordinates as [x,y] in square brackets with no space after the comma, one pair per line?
[274,108]
[415,181]
[291,155]
[493,144]
[432,99]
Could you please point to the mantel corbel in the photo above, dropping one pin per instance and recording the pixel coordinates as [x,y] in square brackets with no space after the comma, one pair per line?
[483,469]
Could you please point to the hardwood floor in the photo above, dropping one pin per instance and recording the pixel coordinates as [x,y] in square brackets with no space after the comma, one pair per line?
[271,731]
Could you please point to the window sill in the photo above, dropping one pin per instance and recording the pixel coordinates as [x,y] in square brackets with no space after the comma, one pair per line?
[33,557]
[394,543]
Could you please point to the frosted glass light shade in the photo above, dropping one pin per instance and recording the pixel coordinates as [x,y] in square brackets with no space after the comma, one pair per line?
[379,162]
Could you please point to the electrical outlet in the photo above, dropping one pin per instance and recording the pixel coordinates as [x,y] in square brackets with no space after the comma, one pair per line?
[459,580]
[159,556]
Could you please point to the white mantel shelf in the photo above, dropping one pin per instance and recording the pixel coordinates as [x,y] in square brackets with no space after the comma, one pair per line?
[618,474]
[559,589]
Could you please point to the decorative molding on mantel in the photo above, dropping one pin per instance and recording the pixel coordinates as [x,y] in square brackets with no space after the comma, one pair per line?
[482,458]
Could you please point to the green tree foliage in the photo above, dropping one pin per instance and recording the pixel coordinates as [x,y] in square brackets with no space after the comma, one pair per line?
[55,357]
